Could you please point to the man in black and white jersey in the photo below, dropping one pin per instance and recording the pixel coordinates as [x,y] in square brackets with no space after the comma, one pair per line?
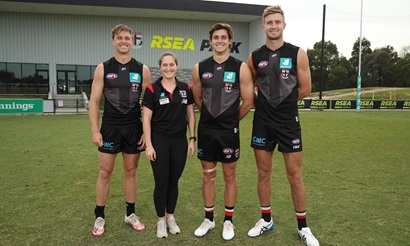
[218,84]
[121,80]
[281,71]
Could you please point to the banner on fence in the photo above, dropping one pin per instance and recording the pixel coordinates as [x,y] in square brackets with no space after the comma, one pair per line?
[21,106]
[351,104]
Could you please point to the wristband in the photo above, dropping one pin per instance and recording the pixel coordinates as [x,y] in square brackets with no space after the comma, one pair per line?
[192,138]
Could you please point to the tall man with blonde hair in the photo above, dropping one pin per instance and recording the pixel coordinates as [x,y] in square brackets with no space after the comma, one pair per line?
[121,80]
[281,71]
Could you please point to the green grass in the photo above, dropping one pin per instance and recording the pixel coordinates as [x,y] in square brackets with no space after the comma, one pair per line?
[356,168]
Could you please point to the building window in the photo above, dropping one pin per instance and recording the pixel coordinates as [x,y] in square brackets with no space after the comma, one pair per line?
[24,78]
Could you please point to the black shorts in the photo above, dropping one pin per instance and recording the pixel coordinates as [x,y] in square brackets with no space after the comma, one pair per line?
[218,147]
[288,136]
[121,139]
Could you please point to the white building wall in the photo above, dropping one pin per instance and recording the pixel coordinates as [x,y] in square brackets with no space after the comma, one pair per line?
[86,40]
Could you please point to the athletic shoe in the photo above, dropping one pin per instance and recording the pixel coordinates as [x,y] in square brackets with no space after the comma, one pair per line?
[228,232]
[307,237]
[98,229]
[172,225]
[260,227]
[162,229]
[204,228]
[134,221]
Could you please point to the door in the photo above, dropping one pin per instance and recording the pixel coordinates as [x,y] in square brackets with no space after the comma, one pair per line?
[66,82]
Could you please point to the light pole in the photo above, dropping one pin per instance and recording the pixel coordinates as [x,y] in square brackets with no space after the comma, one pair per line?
[359,78]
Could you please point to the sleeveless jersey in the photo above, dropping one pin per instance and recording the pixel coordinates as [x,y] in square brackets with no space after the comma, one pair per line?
[277,84]
[220,94]
[122,90]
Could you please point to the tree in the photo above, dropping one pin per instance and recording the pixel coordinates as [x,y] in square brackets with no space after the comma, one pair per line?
[330,60]
[401,71]
[354,59]
[378,68]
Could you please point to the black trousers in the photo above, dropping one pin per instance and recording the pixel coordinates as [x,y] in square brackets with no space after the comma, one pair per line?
[171,156]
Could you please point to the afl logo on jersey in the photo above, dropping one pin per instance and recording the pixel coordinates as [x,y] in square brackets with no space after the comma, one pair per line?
[207,75]
[111,76]
[263,64]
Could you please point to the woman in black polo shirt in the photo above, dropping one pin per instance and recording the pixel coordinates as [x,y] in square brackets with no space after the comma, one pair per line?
[167,111]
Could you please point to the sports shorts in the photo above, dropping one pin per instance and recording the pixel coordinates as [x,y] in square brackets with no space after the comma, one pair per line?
[121,139]
[218,147]
[287,136]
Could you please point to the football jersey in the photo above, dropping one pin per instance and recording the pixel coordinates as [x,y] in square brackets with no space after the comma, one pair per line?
[220,94]
[122,90]
[277,83]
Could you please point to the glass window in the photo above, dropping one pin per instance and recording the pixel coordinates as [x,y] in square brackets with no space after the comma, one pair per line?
[66,68]
[16,83]
[42,66]
[2,66]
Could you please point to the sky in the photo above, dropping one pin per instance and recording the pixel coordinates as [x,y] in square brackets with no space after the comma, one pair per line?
[383,22]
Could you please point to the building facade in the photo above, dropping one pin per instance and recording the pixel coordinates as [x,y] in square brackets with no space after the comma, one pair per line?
[53,47]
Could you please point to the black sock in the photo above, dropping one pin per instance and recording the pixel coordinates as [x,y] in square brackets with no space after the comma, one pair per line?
[266,213]
[130,208]
[209,213]
[99,211]
[301,218]
[229,213]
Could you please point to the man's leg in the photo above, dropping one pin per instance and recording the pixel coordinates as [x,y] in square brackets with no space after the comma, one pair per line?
[106,167]
[293,163]
[130,164]
[264,164]
[230,194]
[208,193]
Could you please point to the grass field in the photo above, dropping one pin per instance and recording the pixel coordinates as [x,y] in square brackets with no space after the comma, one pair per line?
[356,172]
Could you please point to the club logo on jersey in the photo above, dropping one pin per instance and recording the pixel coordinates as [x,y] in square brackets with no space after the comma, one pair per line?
[135,78]
[111,76]
[229,77]
[182,94]
[285,74]
[228,87]
[285,63]
[207,75]
[134,87]
[263,64]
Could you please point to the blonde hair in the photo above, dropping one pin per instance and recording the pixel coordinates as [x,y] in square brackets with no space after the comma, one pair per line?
[119,28]
[272,10]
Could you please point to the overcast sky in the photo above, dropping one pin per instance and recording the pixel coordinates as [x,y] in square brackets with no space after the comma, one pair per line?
[383,23]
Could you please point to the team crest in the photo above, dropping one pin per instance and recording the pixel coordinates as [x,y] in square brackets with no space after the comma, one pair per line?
[228,87]
[285,74]
[134,87]
[137,40]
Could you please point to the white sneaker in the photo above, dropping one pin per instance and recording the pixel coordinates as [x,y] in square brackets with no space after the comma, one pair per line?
[134,221]
[172,225]
[98,229]
[162,229]
[204,228]
[307,237]
[228,232]
[260,227]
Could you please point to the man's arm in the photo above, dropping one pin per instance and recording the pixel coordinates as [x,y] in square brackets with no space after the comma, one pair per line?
[247,88]
[147,78]
[303,73]
[197,87]
[95,98]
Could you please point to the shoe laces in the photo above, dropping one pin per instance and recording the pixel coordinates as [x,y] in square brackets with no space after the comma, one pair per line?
[99,222]
[205,224]
[133,219]
[228,225]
